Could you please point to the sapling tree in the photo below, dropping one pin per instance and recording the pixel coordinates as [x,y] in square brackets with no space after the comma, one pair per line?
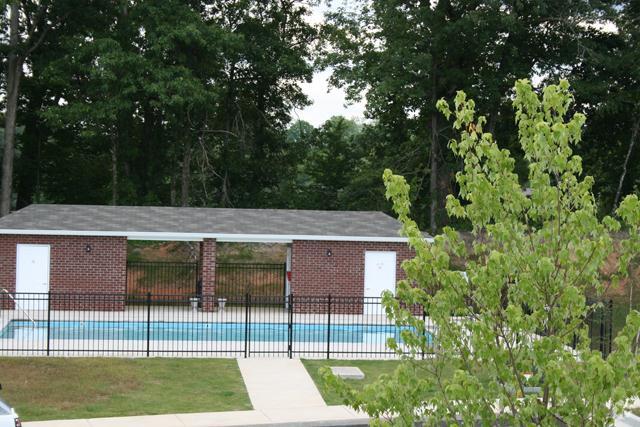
[500,338]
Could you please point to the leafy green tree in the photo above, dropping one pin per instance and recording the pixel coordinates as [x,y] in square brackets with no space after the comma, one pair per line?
[607,85]
[131,88]
[327,163]
[405,55]
[332,159]
[171,102]
[268,54]
[338,165]
[511,322]
[188,103]
[365,191]
[25,25]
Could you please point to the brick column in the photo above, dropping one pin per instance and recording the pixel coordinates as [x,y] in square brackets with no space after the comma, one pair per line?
[208,273]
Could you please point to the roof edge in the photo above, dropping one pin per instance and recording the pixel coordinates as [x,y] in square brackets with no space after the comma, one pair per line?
[222,237]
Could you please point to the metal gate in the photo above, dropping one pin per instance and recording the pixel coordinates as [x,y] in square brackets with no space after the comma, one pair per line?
[265,280]
[161,279]
[182,279]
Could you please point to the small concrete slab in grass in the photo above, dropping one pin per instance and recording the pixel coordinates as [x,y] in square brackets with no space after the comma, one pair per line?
[347,372]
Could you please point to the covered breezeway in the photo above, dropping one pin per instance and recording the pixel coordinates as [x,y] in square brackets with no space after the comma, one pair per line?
[178,279]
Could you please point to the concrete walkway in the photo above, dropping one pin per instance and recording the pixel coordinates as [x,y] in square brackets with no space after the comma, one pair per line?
[279,384]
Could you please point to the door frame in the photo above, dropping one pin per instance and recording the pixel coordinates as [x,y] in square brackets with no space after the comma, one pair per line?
[48,264]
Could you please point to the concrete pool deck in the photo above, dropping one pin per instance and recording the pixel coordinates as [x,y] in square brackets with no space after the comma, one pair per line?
[156,313]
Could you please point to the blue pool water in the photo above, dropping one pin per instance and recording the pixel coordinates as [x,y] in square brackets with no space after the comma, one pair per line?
[199,331]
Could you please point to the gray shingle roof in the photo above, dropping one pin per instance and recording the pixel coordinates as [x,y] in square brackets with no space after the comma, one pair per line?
[132,220]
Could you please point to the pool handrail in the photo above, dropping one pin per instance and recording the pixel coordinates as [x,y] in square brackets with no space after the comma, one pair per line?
[19,306]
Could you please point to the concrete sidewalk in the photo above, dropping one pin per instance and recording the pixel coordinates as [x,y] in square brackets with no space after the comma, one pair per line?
[308,417]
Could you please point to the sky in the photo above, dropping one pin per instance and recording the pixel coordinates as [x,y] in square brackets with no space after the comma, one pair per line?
[326,102]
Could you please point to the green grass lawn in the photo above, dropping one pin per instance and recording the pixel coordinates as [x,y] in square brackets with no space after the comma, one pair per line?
[372,369]
[66,388]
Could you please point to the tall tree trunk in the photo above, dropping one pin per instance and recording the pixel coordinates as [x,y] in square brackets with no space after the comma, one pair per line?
[224,196]
[493,119]
[114,169]
[632,143]
[172,190]
[186,173]
[14,73]
[173,179]
[26,179]
[433,175]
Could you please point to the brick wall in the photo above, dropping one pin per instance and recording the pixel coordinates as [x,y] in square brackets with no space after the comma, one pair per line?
[208,272]
[73,270]
[341,274]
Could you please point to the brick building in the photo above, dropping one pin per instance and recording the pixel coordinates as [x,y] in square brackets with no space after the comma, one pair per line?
[83,249]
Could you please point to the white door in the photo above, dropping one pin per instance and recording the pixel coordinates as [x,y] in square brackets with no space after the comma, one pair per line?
[379,275]
[32,274]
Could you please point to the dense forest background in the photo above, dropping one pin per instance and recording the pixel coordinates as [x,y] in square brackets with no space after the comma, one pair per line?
[188,103]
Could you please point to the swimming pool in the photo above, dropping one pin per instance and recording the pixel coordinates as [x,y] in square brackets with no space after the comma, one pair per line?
[199,331]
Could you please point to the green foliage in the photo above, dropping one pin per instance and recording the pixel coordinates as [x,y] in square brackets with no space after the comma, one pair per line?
[166,102]
[194,98]
[528,268]
[607,86]
[328,164]
[338,166]
[407,55]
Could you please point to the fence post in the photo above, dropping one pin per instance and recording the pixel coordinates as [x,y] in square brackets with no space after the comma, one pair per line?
[148,322]
[290,328]
[610,328]
[284,282]
[246,325]
[602,329]
[328,326]
[426,334]
[48,320]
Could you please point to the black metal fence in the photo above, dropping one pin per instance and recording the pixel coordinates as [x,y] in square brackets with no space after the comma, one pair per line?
[64,324]
[163,279]
[600,322]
